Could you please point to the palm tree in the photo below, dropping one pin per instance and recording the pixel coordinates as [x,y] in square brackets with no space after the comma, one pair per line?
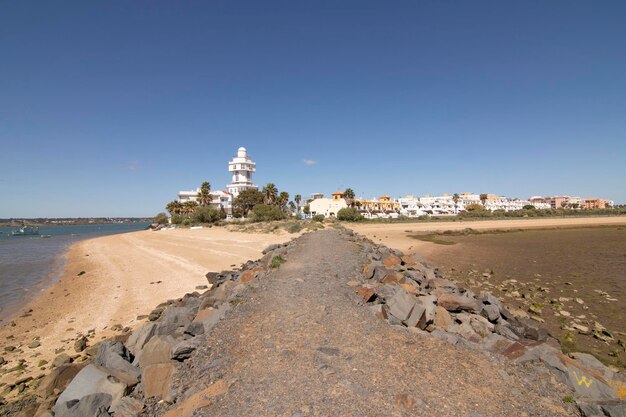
[270,192]
[174,207]
[483,198]
[349,196]
[283,199]
[189,207]
[297,198]
[292,206]
[455,198]
[204,196]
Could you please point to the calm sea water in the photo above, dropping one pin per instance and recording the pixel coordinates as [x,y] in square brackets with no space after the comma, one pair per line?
[30,263]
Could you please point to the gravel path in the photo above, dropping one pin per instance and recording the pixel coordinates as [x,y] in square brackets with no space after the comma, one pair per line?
[300,344]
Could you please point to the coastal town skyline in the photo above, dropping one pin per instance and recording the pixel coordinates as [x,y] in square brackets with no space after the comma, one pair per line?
[510,99]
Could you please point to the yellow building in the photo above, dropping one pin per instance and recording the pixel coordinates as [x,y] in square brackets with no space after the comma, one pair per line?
[383,204]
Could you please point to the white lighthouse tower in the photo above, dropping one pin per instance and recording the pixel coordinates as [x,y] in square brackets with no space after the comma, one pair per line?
[242,168]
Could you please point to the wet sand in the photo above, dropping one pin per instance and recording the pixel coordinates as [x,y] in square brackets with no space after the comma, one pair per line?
[125,276]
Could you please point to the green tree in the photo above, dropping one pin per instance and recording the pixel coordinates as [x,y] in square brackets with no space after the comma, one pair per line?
[455,198]
[349,196]
[283,199]
[475,207]
[265,212]
[246,200]
[292,206]
[161,218]
[349,214]
[270,193]
[207,214]
[204,196]
[298,199]
[306,209]
[174,207]
[189,207]
[483,198]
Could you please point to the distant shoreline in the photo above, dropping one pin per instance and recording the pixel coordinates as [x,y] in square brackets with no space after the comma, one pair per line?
[15,222]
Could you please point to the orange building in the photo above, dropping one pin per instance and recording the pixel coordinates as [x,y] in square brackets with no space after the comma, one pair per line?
[596,203]
[383,204]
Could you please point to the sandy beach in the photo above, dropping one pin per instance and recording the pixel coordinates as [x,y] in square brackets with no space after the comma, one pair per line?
[395,235]
[125,276]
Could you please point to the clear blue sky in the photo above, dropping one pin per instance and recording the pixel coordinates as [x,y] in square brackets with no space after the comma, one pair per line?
[110,108]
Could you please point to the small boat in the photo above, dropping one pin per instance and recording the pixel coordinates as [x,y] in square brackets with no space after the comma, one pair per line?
[26,231]
[46,236]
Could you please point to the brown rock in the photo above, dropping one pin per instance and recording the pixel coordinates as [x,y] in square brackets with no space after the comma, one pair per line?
[452,302]
[58,379]
[157,350]
[199,400]
[393,278]
[380,311]
[410,289]
[156,379]
[368,294]
[443,319]
[409,260]
[80,344]
[390,260]
[368,271]
[251,274]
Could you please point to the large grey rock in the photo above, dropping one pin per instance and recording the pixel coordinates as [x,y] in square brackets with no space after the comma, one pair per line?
[489,299]
[602,408]
[401,304]
[443,285]
[386,292]
[380,272]
[157,350]
[92,379]
[490,312]
[127,407]
[416,317]
[92,405]
[217,296]
[465,330]
[481,325]
[533,331]
[453,302]
[183,350]
[204,321]
[505,331]
[116,358]
[58,379]
[423,313]
[174,319]
[140,337]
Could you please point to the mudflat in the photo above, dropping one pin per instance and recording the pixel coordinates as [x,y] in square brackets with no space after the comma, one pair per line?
[109,281]
[573,279]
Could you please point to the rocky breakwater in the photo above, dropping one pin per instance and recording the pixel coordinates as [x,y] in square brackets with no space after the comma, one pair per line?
[131,374]
[407,292]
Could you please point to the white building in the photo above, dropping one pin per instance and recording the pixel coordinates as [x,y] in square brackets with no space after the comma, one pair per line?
[219,199]
[410,206]
[241,168]
[328,207]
